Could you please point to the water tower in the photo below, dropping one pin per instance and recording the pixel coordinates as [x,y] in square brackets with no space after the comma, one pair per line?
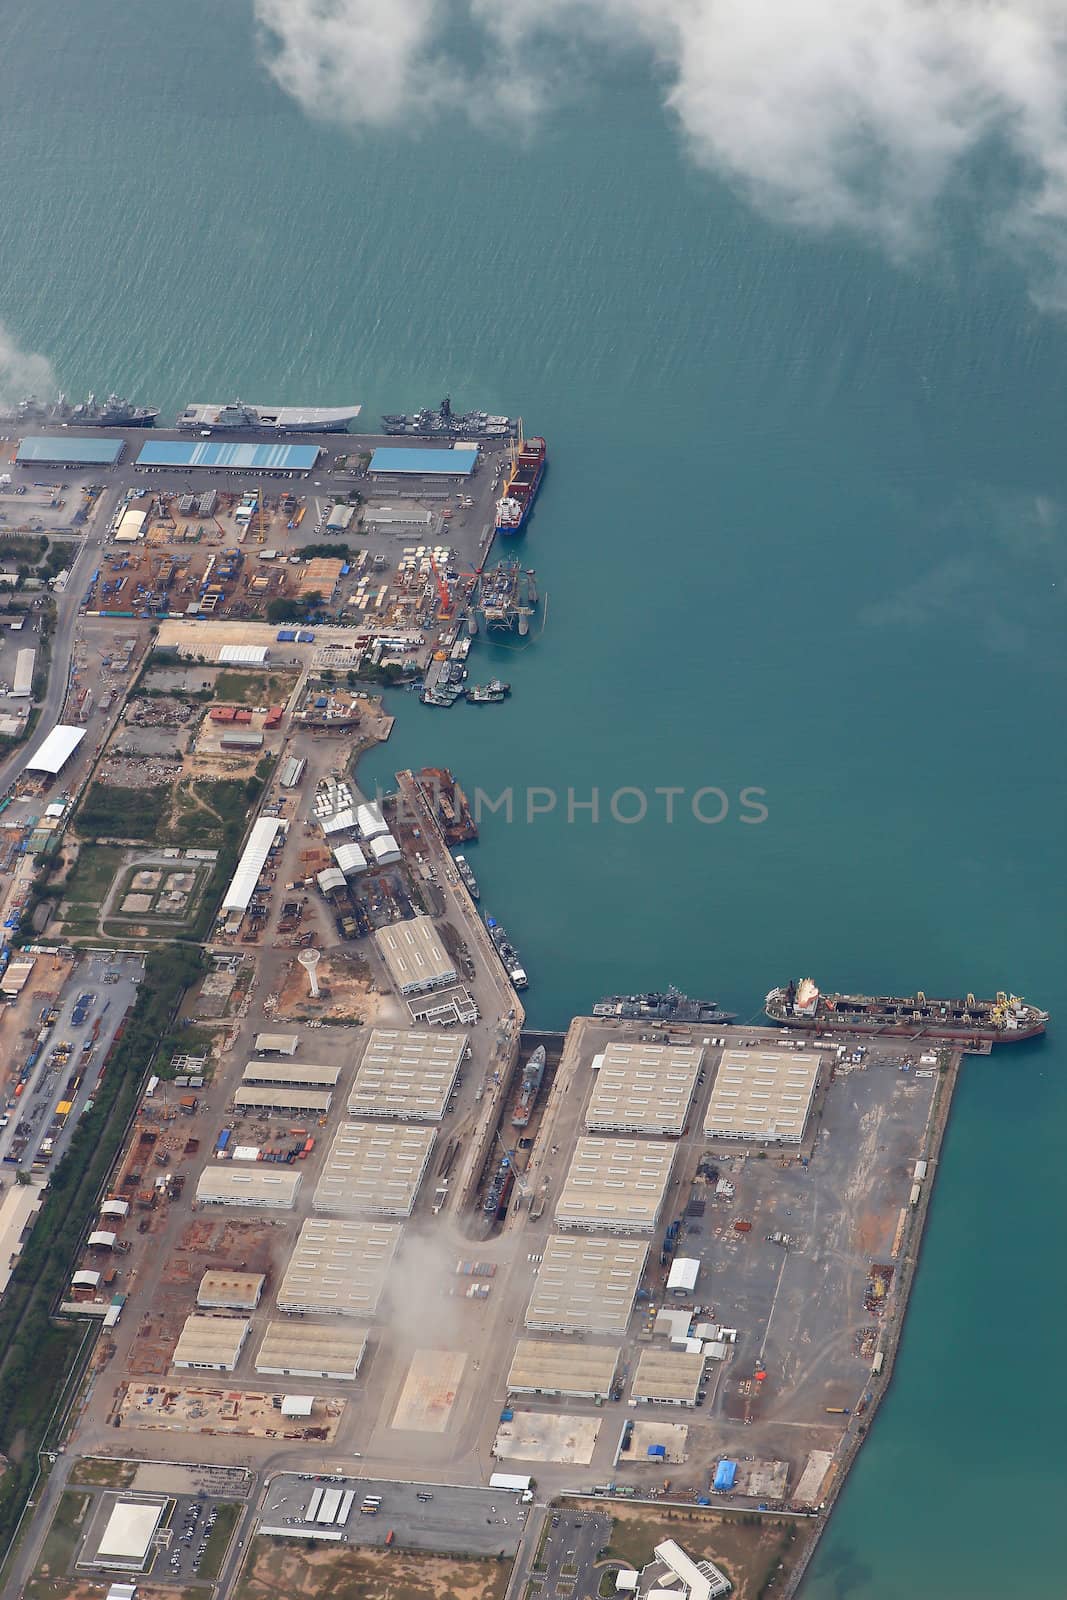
[309,960]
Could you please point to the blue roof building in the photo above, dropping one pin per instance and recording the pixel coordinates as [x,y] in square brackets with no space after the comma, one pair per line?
[218,455]
[426,461]
[66,450]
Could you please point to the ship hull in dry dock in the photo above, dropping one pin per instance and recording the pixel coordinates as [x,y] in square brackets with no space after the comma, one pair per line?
[1006,1020]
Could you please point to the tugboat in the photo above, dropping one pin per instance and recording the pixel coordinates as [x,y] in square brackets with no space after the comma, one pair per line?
[467,877]
[507,952]
[669,1006]
[529,1087]
[488,694]
[1005,1020]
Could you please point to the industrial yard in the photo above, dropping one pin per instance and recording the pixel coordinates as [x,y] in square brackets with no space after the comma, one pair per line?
[358,1214]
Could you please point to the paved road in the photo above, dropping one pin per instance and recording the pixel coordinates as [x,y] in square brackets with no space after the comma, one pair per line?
[63,638]
[573,1539]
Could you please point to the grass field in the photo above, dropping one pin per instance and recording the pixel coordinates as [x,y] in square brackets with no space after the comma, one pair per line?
[748,1547]
[254,688]
[218,1540]
[281,1570]
[108,1474]
[61,1541]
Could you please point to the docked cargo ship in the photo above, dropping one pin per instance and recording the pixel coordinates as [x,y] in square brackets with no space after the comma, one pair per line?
[115,412]
[448,424]
[522,480]
[670,1005]
[507,952]
[237,416]
[529,1088]
[1004,1020]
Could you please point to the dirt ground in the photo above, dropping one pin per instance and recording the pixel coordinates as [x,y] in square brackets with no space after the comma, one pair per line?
[347,993]
[196,1408]
[280,1571]
[747,1551]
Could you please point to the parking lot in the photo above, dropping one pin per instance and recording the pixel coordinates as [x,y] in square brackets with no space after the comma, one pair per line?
[421,1516]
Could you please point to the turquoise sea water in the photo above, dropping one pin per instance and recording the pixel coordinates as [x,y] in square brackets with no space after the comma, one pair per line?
[803,529]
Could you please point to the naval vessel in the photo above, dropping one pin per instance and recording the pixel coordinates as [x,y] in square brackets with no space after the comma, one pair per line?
[114,412]
[668,1005]
[449,424]
[529,1087]
[1005,1020]
[507,952]
[236,416]
[466,875]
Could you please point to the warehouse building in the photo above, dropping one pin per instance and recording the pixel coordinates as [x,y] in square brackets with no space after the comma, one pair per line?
[65,450]
[230,1291]
[414,956]
[289,1075]
[311,1350]
[762,1095]
[616,1185]
[643,1088]
[298,1102]
[56,750]
[392,461]
[339,1268]
[374,1167]
[223,1184]
[407,1073]
[218,455]
[668,1377]
[586,1285]
[22,683]
[579,1371]
[277,1044]
[213,1344]
[121,1532]
[253,859]
[350,859]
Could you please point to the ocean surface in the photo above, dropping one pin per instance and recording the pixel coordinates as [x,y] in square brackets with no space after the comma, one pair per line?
[802,532]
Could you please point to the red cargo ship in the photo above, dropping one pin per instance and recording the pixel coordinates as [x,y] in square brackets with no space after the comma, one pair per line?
[522,480]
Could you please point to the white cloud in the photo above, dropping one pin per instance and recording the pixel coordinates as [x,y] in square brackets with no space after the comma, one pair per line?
[856,113]
[22,373]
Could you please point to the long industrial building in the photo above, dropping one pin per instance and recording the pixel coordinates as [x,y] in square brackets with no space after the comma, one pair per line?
[313,1102]
[762,1095]
[586,1285]
[253,860]
[339,1268]
[211,1343]
[668,1377]
[311,1350]
[374,1167]
[616,1185]
[270,1189]
[67,450]
[289,1075]
[219,455]
[407,1073]
[643,1088]
[579,1371]
[414,956]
